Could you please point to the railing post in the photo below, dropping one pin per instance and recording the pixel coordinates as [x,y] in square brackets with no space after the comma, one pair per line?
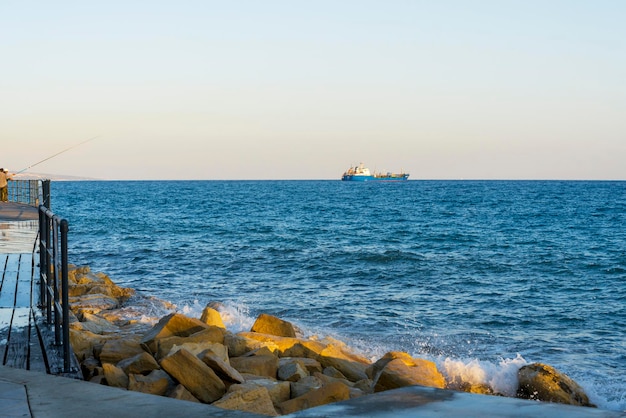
[49,268]
[42,255]
[56,279]
[45,188]
[65,296]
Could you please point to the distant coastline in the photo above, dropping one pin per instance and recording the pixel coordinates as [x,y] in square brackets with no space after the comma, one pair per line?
[45,176]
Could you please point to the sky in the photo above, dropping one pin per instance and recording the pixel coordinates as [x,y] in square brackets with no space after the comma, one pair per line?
[220,90]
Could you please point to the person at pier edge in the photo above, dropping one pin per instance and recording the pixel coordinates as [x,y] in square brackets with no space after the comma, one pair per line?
[4,176]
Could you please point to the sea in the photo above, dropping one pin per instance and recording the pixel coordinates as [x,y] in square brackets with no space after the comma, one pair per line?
[481,277]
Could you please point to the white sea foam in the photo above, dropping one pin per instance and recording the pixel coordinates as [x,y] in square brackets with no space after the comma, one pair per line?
[236,316]
[193,311]
[501,376]
[145,310]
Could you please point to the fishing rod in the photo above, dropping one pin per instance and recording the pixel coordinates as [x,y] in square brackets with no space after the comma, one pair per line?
[58,153]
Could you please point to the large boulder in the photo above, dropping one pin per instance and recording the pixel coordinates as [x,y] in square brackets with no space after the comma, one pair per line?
[212,317]
[268,324]
[172,325]
[196,376]
[544,383]
[397,370]
[249,398]
[332,392]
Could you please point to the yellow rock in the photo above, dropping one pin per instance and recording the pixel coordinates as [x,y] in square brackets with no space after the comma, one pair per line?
[542,382]
[212,317]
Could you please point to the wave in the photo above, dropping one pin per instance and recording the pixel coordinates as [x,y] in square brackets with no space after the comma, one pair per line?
[499,374]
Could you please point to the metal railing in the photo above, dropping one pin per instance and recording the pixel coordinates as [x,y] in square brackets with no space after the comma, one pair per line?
[53,271]
[29,192]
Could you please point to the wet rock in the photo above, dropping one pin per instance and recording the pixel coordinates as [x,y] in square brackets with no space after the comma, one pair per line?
[400,372]
[268,324]
[544,383]
[478,388]
[212,317]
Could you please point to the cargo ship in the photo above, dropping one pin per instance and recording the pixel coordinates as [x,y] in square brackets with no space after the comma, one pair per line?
[362,173]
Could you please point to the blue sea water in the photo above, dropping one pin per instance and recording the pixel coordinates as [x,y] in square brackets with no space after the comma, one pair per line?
[479,276]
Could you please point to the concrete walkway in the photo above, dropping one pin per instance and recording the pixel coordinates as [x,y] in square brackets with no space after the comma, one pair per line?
[31,394]
[18,227]
[10,212]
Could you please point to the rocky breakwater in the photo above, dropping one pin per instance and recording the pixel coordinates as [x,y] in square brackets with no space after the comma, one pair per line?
[270,370]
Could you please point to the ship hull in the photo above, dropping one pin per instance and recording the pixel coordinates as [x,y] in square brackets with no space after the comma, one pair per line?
[398,177]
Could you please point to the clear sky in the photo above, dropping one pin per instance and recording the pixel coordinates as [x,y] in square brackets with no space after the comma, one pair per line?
[444,89]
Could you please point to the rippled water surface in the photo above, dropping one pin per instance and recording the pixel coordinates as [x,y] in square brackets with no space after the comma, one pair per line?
[480,276]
